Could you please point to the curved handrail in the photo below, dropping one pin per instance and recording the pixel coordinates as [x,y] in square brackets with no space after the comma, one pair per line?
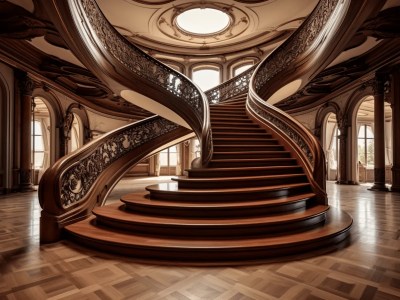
[306,52]
[75,184]
[123,66]
[228,89]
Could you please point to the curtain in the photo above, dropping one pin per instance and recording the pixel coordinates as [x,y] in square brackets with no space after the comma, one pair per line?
[388,144]
[178,170]
[157,165]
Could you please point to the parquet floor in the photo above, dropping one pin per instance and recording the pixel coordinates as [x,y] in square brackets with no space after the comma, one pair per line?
[369,268]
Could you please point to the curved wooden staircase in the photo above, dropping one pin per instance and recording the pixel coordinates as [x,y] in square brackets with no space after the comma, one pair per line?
[251,203]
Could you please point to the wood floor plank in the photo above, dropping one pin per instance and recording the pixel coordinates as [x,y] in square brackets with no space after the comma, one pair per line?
[369,268]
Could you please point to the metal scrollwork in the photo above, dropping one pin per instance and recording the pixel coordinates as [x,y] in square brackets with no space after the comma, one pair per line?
[139,62]
[77,180]
[230,88]
[297,138]
[295,45]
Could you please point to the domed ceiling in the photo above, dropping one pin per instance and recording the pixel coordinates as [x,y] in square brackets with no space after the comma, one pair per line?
[250,24]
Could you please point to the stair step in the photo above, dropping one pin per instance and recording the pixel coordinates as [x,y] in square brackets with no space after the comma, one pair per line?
[232,121]
[141,203]
[251,162]
[335,229]
[247,181]
[170,191]
[246,147]
[192,228]
[231,116]
[243,141]
[250,154]
[239,125]
[240,171]
[228,131]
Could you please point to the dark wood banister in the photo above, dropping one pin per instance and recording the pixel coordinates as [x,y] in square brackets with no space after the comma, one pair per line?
[306,52]
[125,67]
[75,184]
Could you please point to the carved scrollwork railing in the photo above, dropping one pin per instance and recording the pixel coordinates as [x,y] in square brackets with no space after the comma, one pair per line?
[235,86]
[305,53]
[81,180]
[125,67]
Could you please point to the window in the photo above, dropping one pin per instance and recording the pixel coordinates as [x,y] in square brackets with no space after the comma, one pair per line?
[37,145]
[206,78]
[241,69]
[168,157]
[366,146]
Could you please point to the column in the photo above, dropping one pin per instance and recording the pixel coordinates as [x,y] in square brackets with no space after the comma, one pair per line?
[26,86]
[379,135]
[395,102]
[343,127]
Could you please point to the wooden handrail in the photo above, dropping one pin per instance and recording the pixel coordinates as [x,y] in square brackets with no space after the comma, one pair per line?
[75,184]
[323,35]
[125,67]
[233,87]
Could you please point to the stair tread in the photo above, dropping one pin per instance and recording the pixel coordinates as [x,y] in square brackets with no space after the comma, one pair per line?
[250,169]
[252,152]
[115,212]
[253,159]
[172,187]
[336,222]
[237,178]
[141,198]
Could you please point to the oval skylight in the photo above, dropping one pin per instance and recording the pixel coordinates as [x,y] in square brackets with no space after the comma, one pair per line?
[203,21]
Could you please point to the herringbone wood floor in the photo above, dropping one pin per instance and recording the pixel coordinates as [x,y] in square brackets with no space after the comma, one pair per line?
[369,268]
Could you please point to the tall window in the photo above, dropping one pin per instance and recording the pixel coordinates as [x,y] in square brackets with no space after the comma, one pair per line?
[366,146]
[168,160]
[206,78]
[37,145]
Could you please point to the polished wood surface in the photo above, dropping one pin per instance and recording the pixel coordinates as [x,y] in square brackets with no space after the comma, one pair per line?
[367,268]
[292,223]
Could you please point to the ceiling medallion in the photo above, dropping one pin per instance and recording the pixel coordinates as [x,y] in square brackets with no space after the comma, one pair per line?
[204,25]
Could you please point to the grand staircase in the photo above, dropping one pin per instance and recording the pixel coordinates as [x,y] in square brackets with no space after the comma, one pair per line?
[252,203]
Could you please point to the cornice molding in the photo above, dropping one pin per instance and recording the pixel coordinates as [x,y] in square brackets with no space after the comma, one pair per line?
[73,81]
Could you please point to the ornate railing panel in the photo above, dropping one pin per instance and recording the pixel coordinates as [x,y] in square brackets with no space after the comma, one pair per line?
[123,66]
[306,52]
[81,180]
[235,86]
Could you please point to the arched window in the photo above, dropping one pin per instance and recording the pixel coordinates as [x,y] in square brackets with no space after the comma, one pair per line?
[366,146]
[240,69]
[331,147]
[206,78]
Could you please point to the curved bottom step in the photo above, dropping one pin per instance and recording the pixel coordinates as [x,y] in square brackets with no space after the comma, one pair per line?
[213,252]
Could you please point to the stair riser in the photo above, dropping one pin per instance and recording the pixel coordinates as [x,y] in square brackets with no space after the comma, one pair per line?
[211,231]
[248,148]
[244,183]
[243,155]
[241,141]
[244,172]
[240,132]
[233,129]
[238,163]
[218,256]
[215,212]
[229,117]
[215,197]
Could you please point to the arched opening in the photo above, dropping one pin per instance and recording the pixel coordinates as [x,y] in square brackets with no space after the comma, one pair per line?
[76,134]
[41,137]
[365,140]
[331,147]
[206,77]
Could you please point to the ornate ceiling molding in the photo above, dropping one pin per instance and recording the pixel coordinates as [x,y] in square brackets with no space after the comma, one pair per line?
[76,82]
[167,24]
